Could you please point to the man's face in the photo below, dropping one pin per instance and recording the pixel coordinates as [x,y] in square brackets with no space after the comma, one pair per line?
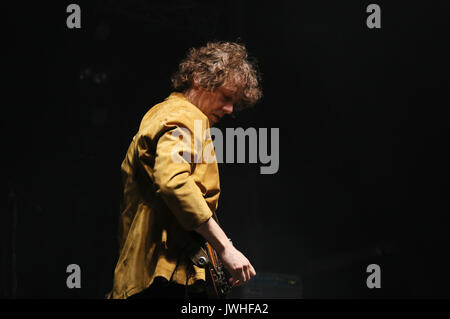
[215,104]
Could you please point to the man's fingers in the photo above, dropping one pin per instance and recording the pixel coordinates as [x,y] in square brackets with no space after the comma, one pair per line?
[243,275]
[252,271]
[249,273]
[234,282]
[239,267]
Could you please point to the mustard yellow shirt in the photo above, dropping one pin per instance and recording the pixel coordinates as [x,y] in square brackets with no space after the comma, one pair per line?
[164,199]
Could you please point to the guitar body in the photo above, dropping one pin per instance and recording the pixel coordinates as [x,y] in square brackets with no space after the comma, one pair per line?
[217,278]
[203,255]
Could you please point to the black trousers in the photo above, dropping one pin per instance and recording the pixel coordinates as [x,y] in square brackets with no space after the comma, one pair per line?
[163,289]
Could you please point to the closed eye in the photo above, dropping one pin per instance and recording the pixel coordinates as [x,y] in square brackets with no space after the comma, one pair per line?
[227,98]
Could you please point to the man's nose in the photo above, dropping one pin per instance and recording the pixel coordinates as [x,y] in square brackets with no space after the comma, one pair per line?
[228,109]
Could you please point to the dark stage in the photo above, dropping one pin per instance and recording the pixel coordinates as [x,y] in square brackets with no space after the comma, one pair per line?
[363,174]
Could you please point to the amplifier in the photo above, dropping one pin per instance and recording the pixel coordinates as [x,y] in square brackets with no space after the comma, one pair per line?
[267,285]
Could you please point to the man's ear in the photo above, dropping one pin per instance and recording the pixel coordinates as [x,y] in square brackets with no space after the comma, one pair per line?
[195,82]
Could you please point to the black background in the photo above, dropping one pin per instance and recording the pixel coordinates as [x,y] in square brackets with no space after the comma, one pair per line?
[363,121]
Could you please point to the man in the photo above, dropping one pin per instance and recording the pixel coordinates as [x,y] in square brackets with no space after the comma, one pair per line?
[171,183]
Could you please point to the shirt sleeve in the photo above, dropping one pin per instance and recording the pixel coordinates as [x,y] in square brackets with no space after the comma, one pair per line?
[174,162]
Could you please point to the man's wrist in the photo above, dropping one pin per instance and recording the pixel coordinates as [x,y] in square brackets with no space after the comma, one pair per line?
[223,246]
[212,232]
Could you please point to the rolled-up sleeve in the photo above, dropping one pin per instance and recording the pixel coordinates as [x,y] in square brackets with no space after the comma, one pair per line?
[172,170]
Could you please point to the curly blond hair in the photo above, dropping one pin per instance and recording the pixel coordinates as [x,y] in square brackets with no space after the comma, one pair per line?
[217,64]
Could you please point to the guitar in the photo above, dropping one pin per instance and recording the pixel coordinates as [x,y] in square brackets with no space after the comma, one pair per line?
[217,277]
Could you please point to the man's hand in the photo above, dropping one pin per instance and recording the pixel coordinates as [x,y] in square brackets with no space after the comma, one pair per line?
[237,265]
[234,261]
